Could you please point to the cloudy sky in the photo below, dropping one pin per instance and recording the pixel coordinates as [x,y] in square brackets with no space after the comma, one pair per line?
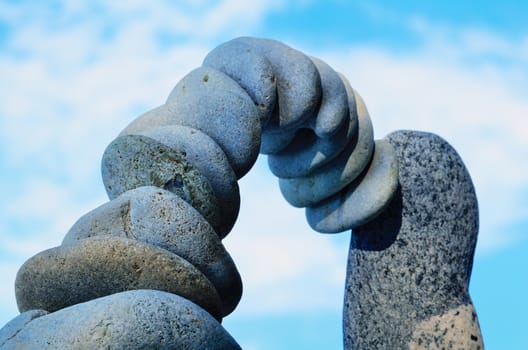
[74,73]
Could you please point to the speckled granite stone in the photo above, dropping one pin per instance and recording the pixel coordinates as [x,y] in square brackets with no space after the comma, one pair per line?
[66,275]
[162,219]
[139,319]
[409,268]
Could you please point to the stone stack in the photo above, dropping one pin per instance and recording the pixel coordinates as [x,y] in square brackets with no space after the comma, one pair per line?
[148,268]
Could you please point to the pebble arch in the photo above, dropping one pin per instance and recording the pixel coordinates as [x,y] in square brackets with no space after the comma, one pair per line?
[251,95]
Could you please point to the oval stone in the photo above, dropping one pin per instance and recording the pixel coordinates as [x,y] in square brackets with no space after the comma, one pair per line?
[139,319]
[298,82]
[338,173]
[132,161]
[162,219]
[18,323]
[67,275]
[363,199]
[250,69]
[210,101]
[206,156]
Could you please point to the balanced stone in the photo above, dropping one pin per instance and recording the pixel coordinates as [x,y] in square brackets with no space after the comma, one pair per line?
[309,150]
[363,199]
[409,268]
[332,177]
[251,70]
[209,159]
[132,161]
[162,219]
[298,83]
[208,100]
[66,275]
[276,140]
[139,319]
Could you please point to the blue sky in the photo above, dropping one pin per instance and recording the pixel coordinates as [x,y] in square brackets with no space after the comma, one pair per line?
[74,73]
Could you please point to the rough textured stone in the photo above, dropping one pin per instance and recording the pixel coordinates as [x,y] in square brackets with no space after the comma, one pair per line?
[338,173]
[13,327]
[209,159]
[363,199]
[140,319]
[410,266]
[133,161]
[328,136]
[161,218]
[66,275]
[298,83]
[251,70]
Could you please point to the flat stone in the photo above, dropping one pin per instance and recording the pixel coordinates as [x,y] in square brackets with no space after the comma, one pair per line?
[162,219]
[70,274]
[139,319]
[298,82]
[250,69]
[133,161]
[410,266]
[315,147]
[18,323]
[337,174]
[210,101]
[362,200]
[273,142]
[333,112]
[209,159]
[151,119]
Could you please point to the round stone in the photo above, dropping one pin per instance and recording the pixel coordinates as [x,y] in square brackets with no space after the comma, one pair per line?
[210,101]
[273,142]
[298,83]
[13,327]
[362,200]
[339,172]
[139,319]
[151,119]
[209,159]
[132,161]
[162,219]
[70,274]
[250,69]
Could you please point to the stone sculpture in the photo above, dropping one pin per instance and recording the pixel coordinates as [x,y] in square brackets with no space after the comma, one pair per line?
[148,268]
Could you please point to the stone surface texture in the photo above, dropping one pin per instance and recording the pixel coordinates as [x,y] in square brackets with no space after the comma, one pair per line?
[409,268]
[141,319]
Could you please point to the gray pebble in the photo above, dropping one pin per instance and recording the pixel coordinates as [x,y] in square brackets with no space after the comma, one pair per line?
[132,161]
[13,327]
[363,199]
[70,274]
[162,219]
[273,142]
[206,156]
[250,69]
[212,102]
[298,83]
[153,118]
[139,319]
[411,265]
[333,112]
[338,173]
[309,151]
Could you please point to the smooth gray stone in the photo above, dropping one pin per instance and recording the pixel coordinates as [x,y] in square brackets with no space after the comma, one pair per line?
[334,176]
[298,83]
[409,268]
[70,274]
[363,199]
[133,161]
[162,219]
[251,70]
[208,100]
[309,151]
[205,154]
[139,319]
[333,112]
[13,327]
[153,118]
